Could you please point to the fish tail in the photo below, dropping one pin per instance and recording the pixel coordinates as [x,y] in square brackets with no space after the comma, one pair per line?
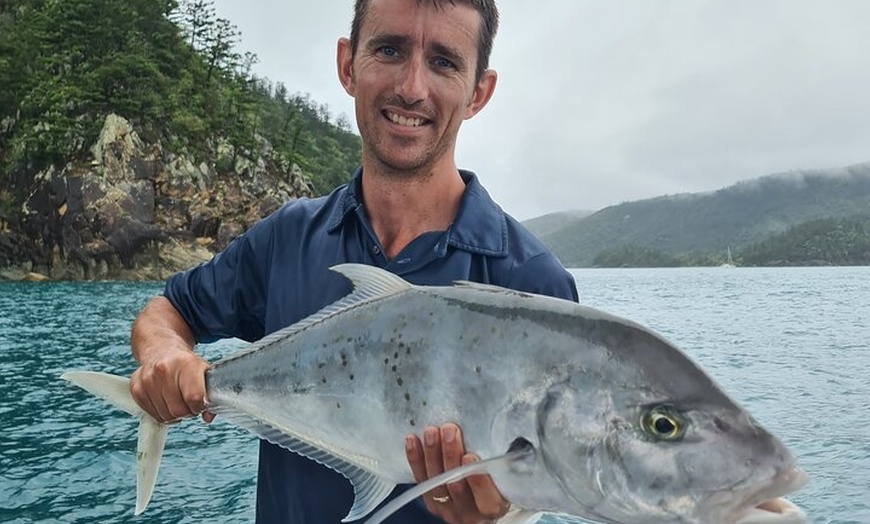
[152,433]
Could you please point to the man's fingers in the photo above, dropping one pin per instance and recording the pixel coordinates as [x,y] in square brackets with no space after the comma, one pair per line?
[414,452]
[453,449]
[191,386]
[432,451]
[417,461]
[486,495]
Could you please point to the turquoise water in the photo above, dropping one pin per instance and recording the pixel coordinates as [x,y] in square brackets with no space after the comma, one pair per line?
[793,345]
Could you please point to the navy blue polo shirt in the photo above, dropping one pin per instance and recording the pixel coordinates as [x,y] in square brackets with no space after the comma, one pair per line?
[277,273]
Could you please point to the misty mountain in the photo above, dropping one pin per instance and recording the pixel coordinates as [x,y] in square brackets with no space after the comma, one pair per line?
[744,213]
[551,222]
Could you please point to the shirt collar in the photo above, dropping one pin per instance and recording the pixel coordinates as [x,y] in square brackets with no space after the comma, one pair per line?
[480,225]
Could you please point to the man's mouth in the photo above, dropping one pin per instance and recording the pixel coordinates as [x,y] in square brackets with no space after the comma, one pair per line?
[404,121]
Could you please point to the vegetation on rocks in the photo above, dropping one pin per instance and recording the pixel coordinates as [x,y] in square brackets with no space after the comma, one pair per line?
[142,116]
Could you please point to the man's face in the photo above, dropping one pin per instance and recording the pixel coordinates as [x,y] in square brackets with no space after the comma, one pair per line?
[413,80]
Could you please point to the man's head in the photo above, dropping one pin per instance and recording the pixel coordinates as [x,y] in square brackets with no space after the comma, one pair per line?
[488,26]
[415,77]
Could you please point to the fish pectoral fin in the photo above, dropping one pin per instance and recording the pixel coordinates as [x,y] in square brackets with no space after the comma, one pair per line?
[487,466]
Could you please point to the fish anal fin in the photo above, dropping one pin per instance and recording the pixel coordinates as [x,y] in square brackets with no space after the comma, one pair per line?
[369,489]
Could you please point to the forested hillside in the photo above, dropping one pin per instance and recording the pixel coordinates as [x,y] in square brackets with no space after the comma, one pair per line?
[134,133]
[698,228]
[170,68]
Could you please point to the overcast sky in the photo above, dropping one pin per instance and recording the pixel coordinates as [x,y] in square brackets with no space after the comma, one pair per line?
[603,101]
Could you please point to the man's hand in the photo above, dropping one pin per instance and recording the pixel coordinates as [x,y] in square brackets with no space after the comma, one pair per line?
[469,501]
[172,386]
[170,381]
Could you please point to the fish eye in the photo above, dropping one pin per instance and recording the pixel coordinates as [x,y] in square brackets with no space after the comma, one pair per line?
[663,423]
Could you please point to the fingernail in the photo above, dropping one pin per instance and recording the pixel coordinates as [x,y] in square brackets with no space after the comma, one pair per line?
[429,435]
[449,434]
[409,443]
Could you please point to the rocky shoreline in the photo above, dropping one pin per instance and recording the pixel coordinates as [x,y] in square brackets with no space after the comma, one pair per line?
[136,211]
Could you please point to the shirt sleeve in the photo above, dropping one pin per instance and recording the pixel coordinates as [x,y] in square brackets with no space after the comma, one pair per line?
[225,297]
[543,274]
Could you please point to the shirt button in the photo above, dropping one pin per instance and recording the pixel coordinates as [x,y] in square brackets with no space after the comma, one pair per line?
[376,250]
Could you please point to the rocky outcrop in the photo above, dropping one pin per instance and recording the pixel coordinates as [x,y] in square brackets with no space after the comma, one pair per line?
[137,211]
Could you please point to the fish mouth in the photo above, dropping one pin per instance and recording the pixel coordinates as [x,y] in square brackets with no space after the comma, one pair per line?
[767,506]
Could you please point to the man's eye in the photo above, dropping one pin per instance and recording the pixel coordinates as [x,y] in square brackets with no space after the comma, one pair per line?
[443,63]
[388,51]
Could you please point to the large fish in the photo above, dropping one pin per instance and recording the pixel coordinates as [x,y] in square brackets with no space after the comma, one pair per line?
[578,412]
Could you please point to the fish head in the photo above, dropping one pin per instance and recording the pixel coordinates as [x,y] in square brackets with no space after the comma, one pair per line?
[662,443]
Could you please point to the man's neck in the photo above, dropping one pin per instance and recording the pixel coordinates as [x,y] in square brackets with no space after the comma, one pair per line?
[401,208]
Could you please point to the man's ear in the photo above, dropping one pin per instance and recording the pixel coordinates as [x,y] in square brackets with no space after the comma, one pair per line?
[483,91]
[344,62]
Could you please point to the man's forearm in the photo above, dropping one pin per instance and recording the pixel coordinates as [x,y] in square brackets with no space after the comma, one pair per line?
[159,328]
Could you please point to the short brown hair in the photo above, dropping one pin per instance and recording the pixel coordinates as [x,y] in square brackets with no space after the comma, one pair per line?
[488,26]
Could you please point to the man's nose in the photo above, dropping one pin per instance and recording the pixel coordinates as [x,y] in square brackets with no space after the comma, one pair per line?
[412,85]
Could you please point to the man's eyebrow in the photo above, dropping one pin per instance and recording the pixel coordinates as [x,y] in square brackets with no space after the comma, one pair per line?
[387,39]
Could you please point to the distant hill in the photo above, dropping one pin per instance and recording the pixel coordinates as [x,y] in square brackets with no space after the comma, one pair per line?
[736,216]
[552,222]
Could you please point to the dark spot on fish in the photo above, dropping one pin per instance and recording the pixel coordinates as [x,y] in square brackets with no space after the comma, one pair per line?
[394,368]
[657,484]
[349,340]
[396,354]
[721,425]
[351,376]
[320,366]
[237,388]
[407,396]
[387,361]
[400,381]
[338,405]
[477,369]
[525,334]
[323,380]
[424,402]
[412,422]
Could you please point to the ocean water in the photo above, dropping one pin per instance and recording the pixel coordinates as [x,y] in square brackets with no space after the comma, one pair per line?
[792,345]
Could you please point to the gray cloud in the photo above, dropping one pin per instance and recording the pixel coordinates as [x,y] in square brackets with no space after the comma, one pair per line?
[600,102]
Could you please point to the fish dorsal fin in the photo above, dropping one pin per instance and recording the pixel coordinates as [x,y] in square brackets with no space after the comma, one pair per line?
[369,489]
[369,283]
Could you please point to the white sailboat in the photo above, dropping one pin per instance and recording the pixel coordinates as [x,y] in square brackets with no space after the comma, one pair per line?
[729,262]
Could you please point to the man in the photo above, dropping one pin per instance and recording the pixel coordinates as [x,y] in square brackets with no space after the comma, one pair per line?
[416,69]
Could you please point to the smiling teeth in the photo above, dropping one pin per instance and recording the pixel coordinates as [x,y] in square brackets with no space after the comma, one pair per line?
[402,121]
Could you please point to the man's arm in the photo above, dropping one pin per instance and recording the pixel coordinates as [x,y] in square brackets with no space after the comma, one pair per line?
[170,381]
